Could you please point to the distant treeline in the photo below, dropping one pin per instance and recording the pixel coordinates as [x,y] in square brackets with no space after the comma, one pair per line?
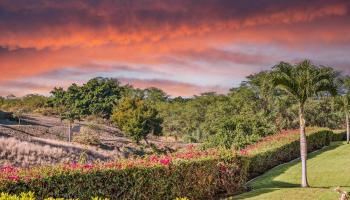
[246,113]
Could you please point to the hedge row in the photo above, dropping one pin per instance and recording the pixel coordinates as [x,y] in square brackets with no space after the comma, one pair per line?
[278,152]
[339,135]
[198,178]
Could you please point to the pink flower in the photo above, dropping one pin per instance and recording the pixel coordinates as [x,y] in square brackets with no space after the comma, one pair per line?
[130,165]
[109,165]
[244,152]
[8,169]
[153,158]
[223,168]
[190,147]
[74,166]
[165,161]
[13,178]
[88,166]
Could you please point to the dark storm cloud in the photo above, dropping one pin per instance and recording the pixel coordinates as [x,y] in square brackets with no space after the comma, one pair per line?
[75,21]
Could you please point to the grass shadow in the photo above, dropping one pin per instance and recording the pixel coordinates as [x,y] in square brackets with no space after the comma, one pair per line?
[17,130]
[70,147]
[253,193]
[33,121]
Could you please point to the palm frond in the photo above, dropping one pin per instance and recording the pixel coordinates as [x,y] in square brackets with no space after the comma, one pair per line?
[305,80]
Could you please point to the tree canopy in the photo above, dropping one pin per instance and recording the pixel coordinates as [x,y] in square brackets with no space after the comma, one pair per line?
[249,111]
[136,118]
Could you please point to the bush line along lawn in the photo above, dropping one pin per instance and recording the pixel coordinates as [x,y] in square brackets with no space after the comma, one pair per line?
[193,174]
[328,168]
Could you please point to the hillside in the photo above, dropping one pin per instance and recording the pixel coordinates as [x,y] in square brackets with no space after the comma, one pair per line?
[42,140]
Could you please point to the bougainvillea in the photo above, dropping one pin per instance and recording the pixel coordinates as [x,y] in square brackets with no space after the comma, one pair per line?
[11,173]
[193,173]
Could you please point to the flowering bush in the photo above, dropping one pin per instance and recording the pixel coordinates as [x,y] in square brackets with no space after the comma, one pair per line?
[191,173]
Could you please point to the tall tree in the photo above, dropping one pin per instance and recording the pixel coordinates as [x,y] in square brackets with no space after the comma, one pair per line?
[57,98]
[71,116]
[136,118]
[345,101]
[96,97]
[19,115]
[66,105]
[303,81]
[155,95]
[99,95]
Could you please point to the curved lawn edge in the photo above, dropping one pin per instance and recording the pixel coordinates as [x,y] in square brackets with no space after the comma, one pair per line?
[327,169]
[286,163]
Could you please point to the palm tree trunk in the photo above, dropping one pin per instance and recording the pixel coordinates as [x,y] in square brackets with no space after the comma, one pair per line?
[303,148]
[347,128]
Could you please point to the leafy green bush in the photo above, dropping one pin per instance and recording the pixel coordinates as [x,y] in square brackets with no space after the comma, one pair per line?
[196,179]
[194,174]
[136,118]
[96,97]
[284,148]
[339,135]
[28,103]
[87,136]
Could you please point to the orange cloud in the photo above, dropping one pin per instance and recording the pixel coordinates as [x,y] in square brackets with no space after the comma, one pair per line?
[167,38]
[95,25]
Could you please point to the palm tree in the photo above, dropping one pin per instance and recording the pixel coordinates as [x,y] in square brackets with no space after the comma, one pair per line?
[345,102]
[303,81]
[346,110]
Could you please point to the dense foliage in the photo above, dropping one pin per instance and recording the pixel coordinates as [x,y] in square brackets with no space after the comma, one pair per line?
[192,174]
[136,118]
[247,113]
[96,97]
[28,103]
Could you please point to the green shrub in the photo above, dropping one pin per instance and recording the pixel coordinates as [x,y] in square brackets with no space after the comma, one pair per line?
[196,179]
[339,135]
[277,152]
[136,118]
[87,136]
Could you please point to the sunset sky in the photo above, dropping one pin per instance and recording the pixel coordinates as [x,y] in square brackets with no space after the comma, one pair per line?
[184,47]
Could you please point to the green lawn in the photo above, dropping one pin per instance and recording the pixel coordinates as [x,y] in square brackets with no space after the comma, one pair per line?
[327,169]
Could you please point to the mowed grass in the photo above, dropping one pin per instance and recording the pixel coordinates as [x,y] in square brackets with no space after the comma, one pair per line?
[327,169]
